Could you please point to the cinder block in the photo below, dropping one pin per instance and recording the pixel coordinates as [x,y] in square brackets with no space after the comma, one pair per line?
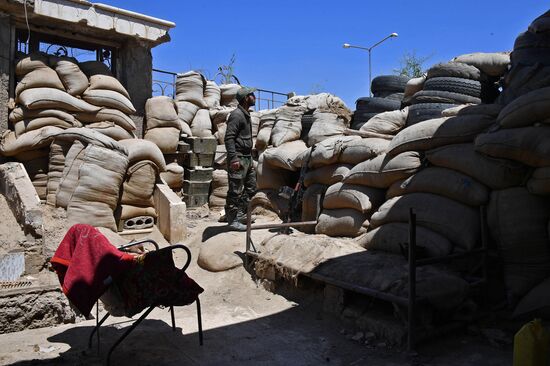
[171,213]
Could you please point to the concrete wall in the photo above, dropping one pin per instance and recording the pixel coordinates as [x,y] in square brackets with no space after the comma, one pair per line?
[134,70]
[5,46]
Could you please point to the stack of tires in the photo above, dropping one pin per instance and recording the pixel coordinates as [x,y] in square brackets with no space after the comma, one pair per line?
[388,92]
[448,85]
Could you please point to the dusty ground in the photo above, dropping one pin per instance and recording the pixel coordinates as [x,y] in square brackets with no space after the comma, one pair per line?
[243,325]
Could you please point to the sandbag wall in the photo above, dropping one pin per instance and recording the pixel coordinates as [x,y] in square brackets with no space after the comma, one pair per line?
[64,128]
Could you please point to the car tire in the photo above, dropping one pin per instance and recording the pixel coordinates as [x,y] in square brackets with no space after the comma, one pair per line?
[454,85]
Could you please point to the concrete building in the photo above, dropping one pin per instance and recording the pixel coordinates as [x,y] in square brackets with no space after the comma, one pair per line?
[121,38]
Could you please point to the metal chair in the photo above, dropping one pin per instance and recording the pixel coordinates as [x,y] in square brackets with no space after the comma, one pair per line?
[148,311]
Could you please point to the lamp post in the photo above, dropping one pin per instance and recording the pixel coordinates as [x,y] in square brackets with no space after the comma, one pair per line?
[369,49]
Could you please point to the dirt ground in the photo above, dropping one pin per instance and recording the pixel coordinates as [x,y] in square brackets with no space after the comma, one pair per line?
[243,325]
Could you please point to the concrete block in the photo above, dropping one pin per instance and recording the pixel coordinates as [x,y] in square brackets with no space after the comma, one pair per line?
[20,194]
[171,212]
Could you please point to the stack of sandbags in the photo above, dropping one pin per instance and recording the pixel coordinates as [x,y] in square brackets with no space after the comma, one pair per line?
[107,92]
[162,125]
[530,68]
[518,223]
[386,123]
[467,79]
[219,189]
[229,95]
[145,162]
[173,176]
[345,209]
[266,123]
[288,124]
[190,100]
[37,168]
[93,168]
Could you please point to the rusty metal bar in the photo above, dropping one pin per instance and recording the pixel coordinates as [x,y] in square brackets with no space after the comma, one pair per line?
[282,225]
[412,281]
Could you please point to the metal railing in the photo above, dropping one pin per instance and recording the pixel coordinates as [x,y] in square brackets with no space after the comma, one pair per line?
[164,83]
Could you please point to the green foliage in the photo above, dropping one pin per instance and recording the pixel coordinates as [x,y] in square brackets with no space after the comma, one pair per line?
[227,72]
[411,65]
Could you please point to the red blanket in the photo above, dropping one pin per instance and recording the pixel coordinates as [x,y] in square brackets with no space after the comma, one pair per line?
[86,264]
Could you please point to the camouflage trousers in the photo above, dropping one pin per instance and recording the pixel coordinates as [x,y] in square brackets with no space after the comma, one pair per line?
[242,186]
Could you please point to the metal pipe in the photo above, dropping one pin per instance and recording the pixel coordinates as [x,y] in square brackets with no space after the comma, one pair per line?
[412,281]
[282,225]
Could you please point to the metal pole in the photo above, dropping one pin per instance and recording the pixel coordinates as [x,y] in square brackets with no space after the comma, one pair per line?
[370,74]
[412,281]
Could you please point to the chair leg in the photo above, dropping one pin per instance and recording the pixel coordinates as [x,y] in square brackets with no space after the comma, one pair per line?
[96,329]
[173,318]
[136,323]
[199,318]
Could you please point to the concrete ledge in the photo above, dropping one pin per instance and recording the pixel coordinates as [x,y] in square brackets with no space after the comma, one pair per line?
[171,213]
[21,196]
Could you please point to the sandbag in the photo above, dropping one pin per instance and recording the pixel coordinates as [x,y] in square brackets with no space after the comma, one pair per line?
[34,124]
[358,150]
[387,123]
[327,175]
[218,188]
[255,120]
[50,98]
[457,222]
[328,103]
[437,132]
[190,88]
[526,110]
[110,99]
[539,182]
[161,112]
[414,85]
[185,129]
[173,176]
[39,78]
[393,237]
[69,179]
[111,130]
[267,120]
[229,94]
[90,136]
[325,125]
[328,151]
[492,172]
[56,165]
[288,126]
[443,182]
[33,140]
[32,62]
[96,196]
[341,222]
[491,110]
[269,177]
[220,133]
[74,80]
[383,171]
[91,68]
[166,138]
[139,150]
[107,82]
[19,114]
[201,125]
[139,183]
[186,111]
[492,64]
[360,198]
[108,115]
[312,205]
[536,303]
[212,94]
[285,155]
[528,145]
[518,223]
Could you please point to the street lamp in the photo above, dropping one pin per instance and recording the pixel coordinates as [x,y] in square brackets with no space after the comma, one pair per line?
[369,49]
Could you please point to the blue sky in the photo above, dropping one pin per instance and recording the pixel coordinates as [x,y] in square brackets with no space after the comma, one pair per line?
[297,45]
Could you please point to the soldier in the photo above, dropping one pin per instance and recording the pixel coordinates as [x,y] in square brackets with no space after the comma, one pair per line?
[241,172]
